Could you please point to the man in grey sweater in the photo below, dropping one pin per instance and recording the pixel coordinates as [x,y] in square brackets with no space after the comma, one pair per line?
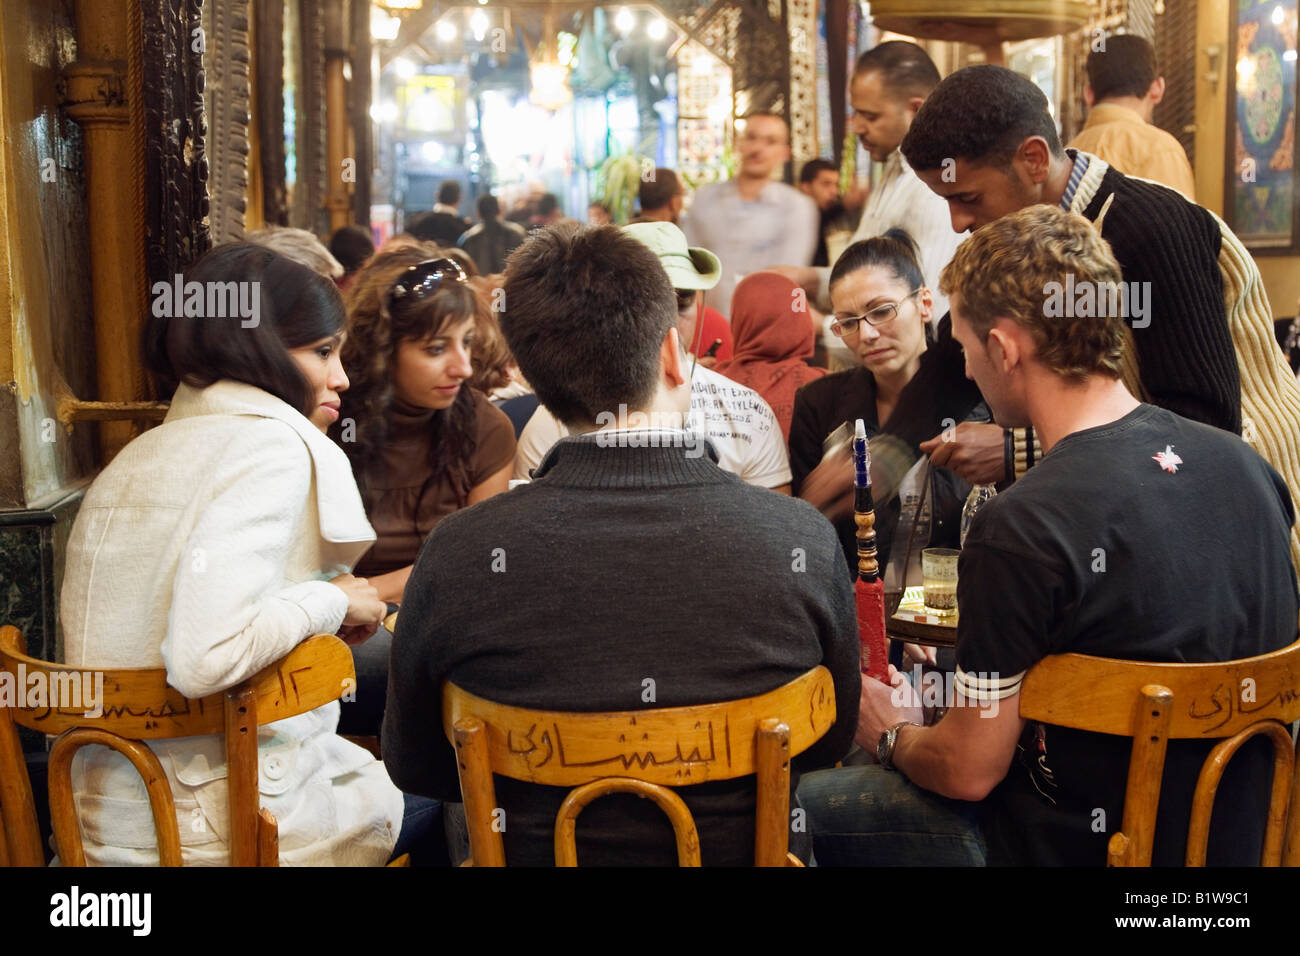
[632,573]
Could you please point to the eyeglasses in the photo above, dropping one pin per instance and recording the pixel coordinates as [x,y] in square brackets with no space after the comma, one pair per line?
[424,279]
[880,315]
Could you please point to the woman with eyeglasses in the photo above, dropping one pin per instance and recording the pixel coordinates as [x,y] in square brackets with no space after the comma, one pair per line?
[883,310]
[421,441]
[211,546]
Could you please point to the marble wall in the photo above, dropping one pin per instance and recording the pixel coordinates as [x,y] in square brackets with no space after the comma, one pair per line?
[46,329]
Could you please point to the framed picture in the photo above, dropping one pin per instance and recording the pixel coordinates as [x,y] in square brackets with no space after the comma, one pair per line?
[1261,198]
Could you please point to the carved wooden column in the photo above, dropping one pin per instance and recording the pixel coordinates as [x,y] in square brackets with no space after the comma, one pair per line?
[226,94]
[103,93]
[359,109]
[336,117]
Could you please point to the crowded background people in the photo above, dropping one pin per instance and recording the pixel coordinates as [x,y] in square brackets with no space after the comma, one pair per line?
[544,452]
[492,239]
[660,197]
[774,338]
[1124,86]
[443,224]
[752,222]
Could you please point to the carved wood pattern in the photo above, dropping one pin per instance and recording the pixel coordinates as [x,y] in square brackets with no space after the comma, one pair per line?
[359,109]
[309,191]
[803,80]
[226,66]
[175,165]
[269,63]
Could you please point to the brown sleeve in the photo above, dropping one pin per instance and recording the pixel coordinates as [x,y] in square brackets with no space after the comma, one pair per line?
[494,447]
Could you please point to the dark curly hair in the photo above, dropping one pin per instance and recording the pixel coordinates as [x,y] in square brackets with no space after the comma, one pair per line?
[370,356]
[980,114]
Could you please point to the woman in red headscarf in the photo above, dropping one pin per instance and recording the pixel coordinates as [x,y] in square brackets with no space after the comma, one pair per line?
[773,334]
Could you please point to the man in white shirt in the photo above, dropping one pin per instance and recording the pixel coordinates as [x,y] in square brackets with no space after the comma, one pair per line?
[753,222]
[735,420]
[890,82]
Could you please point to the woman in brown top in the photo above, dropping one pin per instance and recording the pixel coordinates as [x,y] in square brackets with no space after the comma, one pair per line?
[422,443]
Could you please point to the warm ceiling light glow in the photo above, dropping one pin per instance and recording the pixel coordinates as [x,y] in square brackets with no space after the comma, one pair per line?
[624,21]
[404,67]
[658,28]
[478,22]
[384,111]
[550,83]
[382,26]
[446,30]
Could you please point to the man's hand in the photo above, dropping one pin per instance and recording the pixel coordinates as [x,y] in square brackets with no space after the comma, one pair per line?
[882,706]
[803,276]
[857,195]
[975,452]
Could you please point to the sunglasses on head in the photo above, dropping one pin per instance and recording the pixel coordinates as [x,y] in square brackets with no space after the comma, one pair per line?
[425,278]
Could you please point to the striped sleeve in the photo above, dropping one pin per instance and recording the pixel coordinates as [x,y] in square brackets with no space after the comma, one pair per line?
[1010,600]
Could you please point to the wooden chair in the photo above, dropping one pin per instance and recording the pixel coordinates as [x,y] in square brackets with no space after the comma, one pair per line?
[638,751]
[1155,703]
[139,705]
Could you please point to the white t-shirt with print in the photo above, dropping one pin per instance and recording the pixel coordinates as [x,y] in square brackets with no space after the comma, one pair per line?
[735,419]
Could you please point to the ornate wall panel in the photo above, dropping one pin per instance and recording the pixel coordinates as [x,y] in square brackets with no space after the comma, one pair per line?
[268,60]
[226,67]
[308,210]
[359,109]
[803,81]
[175,164]
[1175,42]
[752,37]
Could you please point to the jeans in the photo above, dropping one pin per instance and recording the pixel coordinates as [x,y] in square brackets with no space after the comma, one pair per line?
[421,834]
[869,816]
[364,716]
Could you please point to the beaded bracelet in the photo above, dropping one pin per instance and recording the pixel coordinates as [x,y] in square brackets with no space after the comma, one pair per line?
[1027,450]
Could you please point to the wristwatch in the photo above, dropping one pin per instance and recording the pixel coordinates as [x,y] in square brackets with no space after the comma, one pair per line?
[885,746]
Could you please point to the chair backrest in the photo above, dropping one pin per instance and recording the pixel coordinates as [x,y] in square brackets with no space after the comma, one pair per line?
[137,705]
[1155,703]
[638,751]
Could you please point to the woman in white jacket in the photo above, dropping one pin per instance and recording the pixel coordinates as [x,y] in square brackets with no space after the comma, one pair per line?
[215,543]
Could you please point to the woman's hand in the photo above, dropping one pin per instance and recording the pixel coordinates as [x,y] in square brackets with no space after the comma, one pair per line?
[365,609]
[829,486]
[352,635]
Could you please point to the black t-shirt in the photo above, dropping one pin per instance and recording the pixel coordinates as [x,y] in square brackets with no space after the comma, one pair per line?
[1154,538]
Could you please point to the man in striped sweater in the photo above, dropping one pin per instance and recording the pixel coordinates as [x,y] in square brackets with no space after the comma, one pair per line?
[1201,327]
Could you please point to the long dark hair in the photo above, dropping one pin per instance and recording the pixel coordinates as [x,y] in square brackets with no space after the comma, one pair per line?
[370,358]
[295,307]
